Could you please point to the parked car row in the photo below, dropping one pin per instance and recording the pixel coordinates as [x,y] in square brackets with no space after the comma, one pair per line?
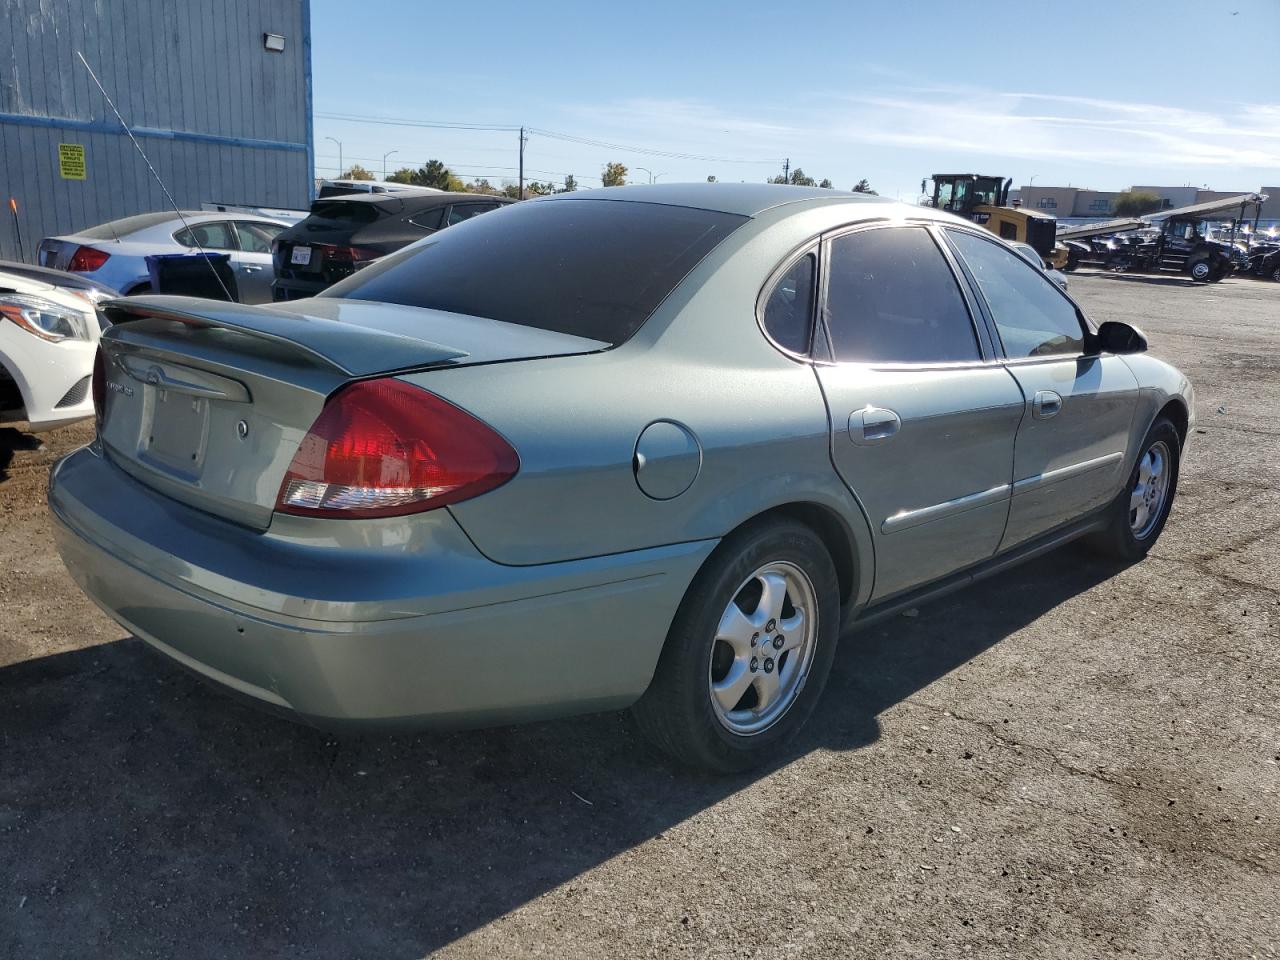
[270,259]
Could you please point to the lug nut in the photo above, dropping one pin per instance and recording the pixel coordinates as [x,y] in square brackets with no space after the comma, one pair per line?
[768,627]
[755,664]
[768,664]
[777,642]
[755,638]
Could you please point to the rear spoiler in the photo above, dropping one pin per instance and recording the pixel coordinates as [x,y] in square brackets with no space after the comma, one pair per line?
[354,351]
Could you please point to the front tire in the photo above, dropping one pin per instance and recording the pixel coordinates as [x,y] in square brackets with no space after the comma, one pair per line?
[748,652]
[1201,271]
[1138,515]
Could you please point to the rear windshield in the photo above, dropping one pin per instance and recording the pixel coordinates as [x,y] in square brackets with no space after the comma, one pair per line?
[335,190]
[345,211]
[126,225]
[590,268]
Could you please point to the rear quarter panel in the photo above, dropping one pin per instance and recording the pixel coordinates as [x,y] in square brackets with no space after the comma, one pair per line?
[701,361]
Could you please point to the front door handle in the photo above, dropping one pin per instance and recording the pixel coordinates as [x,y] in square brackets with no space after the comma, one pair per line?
[1046,404]
[873,425]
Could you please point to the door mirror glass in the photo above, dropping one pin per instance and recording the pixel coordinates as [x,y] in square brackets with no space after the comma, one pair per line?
[1116,337]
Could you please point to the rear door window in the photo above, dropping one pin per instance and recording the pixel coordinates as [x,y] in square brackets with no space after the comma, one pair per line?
[590,268]
[429,219]
[1034,319]
[892,298]
[465,211]
[256,237]
[209,236]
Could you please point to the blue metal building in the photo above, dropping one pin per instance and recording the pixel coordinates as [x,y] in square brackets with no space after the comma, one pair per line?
[222,113]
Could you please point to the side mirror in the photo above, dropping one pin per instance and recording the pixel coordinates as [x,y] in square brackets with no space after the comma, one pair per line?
[1116,337]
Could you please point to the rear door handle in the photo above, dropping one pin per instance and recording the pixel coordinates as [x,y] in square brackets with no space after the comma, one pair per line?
[1046,404]
[873,425]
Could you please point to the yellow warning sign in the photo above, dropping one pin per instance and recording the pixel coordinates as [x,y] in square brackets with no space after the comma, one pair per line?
[71,164]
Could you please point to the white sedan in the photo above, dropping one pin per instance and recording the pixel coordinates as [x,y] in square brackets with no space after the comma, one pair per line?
[48,338]
[116,252]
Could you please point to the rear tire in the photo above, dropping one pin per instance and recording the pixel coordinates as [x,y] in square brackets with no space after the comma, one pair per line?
[1138,515]
[1275,274]
[721,699]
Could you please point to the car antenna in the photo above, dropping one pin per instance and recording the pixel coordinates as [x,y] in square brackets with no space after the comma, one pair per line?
[142,153]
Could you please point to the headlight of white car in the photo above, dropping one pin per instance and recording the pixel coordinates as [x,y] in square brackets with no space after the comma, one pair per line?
[44,318]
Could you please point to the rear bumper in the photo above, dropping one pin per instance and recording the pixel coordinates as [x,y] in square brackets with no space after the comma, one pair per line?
[382,623]
[282,289]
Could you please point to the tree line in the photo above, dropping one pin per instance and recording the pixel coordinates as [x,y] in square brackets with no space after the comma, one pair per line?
[435,174]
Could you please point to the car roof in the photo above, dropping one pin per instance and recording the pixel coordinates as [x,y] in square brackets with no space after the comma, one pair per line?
[127,226]
[743,199]
[417,199]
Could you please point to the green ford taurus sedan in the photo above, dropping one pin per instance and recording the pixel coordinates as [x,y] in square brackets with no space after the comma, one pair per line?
[650,447]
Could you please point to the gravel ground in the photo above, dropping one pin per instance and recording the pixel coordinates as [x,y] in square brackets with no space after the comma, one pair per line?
[1079,760]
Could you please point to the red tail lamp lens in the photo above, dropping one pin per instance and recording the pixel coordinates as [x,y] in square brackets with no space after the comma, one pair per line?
[87,260]
[383,448]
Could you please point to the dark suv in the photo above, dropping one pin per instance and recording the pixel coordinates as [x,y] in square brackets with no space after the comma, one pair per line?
[343,233]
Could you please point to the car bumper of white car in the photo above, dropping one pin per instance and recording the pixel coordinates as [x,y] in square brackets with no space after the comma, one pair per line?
[52,379]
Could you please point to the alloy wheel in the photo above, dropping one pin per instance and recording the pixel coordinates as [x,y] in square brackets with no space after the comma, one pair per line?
[763,648]
[1146,500]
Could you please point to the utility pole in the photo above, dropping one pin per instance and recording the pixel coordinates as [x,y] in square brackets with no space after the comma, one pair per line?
[522,139]
[786,170]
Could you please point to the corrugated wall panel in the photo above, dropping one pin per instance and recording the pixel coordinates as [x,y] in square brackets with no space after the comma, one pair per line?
[190,67]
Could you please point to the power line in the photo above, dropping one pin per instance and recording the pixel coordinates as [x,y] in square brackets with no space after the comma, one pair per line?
[648,151]
[401,122]
[549,134]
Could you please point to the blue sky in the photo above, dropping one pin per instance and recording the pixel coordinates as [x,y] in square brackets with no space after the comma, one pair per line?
[1085,93]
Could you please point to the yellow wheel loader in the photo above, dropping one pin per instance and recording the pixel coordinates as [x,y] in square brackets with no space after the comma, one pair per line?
[985,201]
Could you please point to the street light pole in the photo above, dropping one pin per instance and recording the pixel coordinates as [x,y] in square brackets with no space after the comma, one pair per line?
[339,143]
[384,162]
[648,171]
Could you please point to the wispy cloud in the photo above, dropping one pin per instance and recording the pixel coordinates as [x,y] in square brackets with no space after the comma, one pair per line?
[1062,127]
[1080,131]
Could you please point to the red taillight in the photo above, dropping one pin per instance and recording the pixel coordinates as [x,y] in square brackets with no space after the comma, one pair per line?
[99,388]
[382,448]
[347,254]
[87,259]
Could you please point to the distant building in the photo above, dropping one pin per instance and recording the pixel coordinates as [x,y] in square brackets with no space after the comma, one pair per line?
[1084,204]
[218,95]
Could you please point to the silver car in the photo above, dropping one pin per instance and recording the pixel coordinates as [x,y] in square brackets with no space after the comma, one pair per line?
[647,447]
[1032,256]
[116,253]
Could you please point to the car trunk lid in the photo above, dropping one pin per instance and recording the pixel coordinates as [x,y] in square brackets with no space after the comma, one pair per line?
[208,401]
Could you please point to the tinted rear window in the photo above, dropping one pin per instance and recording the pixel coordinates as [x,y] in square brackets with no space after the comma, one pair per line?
[590,268]
[345,211]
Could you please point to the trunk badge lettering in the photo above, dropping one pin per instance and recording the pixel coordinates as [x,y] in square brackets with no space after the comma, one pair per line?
[120,388]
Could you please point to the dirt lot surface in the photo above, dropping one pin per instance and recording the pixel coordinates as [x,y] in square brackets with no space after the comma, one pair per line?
[1077,760]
